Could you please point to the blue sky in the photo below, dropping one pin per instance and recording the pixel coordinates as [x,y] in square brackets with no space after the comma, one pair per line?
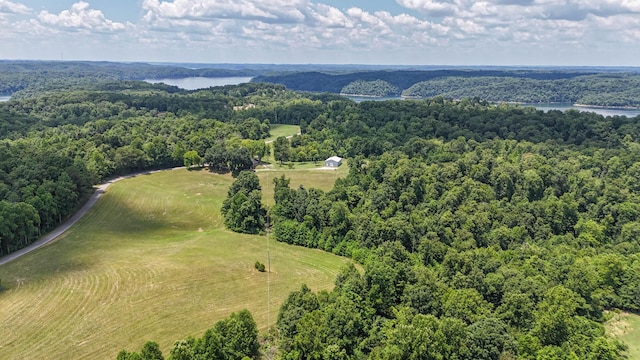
[424,32]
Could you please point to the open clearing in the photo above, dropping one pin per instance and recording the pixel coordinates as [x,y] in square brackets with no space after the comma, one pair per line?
[299,175]
[151,261]
[278,130]
[626,327]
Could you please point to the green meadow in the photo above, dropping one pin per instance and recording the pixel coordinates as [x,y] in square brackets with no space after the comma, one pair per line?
[277,130]
[152,261]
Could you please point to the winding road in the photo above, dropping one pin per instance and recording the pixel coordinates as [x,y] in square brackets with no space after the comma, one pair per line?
[53,235]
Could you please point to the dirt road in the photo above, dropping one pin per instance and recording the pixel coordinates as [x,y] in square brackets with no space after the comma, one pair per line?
[53,235]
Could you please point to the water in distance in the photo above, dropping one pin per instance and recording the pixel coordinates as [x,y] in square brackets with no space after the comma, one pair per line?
[195,83]
[604,111]
[4,98]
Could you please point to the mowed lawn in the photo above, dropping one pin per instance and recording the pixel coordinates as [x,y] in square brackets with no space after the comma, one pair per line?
[308,175]
[151,261]
[626,327]
[285,130]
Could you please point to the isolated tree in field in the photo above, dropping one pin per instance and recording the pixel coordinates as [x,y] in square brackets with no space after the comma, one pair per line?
[242,210]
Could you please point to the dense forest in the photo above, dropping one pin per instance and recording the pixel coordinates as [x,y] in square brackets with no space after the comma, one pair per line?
[507,243]
[588,87]
[484,231]
[506,237]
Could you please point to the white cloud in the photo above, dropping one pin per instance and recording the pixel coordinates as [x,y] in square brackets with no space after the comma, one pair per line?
[296,29]
[325,15]
[574,10]
[465,26]
[80,17]
[365,17]
[10,7]
[300,24]
[431,7]
[277,11]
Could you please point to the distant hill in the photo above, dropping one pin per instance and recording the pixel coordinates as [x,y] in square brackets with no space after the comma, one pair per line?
[589,87]
[596,86]
[403,79]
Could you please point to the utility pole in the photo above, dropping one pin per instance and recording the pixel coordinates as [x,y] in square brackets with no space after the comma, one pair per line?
[268,274]
[268,230]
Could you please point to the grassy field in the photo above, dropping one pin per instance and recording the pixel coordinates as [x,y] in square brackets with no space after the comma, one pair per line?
[151,261]
[626,327]
[278,130]
[305,174]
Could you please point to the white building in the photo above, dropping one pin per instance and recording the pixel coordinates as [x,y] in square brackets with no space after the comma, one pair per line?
[333,161]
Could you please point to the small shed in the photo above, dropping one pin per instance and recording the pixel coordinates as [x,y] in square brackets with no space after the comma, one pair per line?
[333,161]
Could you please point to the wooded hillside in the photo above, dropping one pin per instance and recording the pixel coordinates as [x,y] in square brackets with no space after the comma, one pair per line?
[588,87]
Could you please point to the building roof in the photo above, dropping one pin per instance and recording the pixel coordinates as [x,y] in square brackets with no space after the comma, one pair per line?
[334,158]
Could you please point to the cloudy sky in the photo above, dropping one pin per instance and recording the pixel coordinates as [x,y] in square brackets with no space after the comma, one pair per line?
[427,32]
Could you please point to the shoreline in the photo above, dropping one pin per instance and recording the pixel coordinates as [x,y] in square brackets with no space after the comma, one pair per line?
[607,107]
[367,96]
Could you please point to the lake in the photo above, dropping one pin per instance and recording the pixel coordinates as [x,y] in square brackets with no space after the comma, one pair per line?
[598,110]
[543,107]
[4,98]
[195,83]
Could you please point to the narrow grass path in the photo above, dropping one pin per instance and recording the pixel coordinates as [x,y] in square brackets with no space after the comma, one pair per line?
[150,261]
